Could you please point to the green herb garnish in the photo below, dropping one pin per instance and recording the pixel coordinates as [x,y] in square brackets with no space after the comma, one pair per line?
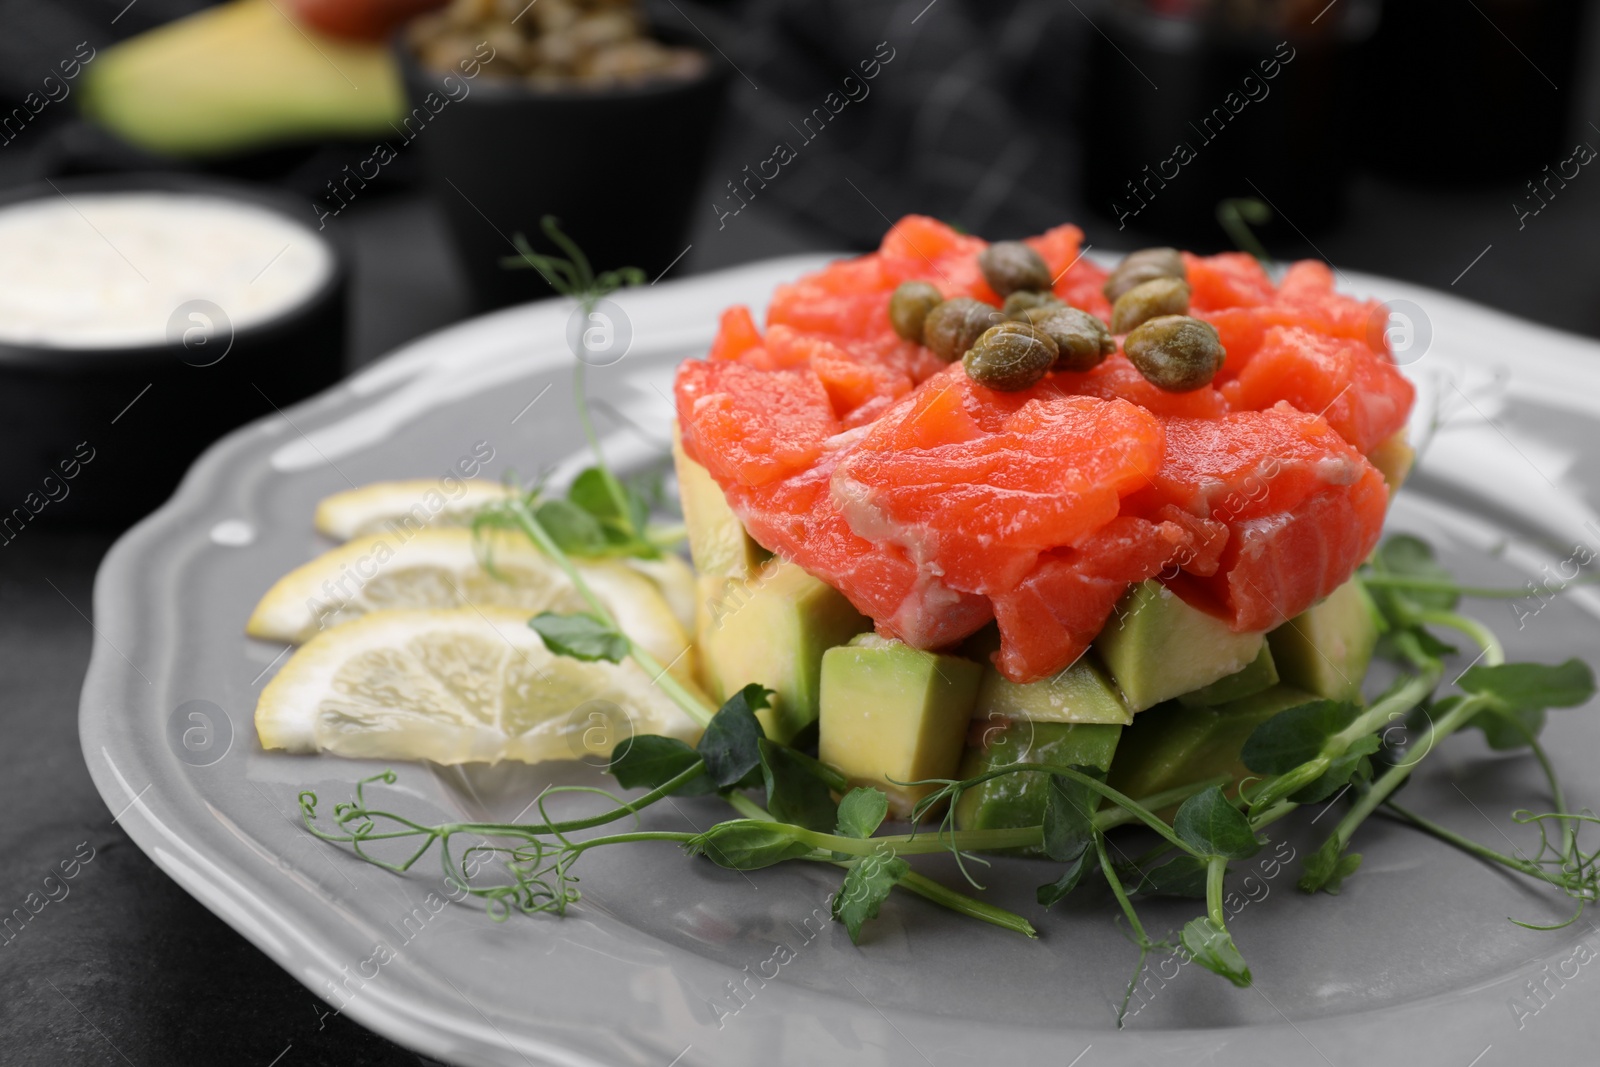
[1303,755]
[1236,216]
[601,514]
[1307,754]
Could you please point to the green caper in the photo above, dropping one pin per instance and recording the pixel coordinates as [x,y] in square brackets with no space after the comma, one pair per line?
[1026,300]
[909,307]
[1170,258]
[1175,352]
[1010,356]
[1082,339]
[1149,300]
[1143,266]
[951,327]
[1010,266]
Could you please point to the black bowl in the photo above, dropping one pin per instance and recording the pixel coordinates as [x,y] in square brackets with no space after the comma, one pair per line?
[104,434]
[618,167]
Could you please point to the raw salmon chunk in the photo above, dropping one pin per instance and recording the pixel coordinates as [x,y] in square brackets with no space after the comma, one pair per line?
[748,426]
[1048,619]
[937,505]
[1360,392]
[1302,509]
[798,518]
[977,484]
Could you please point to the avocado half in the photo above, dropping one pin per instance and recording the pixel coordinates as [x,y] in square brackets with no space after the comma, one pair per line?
[236,77]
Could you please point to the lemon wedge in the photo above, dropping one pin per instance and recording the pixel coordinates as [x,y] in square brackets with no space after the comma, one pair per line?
[460,685]
[403,507]
[444,567]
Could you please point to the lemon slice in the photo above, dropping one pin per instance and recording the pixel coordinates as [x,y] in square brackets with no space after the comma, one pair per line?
[674,578]
[443,568]
[404,507]
[462,685]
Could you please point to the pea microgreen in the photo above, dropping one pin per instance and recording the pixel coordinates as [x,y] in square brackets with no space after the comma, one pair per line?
[861,812]
[649,761]
[731,745]
[1210,825]
[1296,736]
[866,887]
[583,637]
[1302,755]
[1181,876]
[1306,754]
[1509,688]
[749,845]
[1055,892]
[1212,947]
[797,790]
[1236,216]
[1068,828]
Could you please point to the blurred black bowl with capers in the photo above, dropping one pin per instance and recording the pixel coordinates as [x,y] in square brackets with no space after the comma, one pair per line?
[570,108]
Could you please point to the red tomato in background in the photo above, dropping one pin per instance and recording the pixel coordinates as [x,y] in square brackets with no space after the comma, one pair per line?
[362,20]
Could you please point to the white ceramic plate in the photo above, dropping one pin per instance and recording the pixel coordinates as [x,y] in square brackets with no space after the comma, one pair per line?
[668,960]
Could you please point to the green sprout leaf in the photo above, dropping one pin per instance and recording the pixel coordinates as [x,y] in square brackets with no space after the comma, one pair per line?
[570,276]
[1211,946]
[796,793]
[731,744]
[1069,815]
[1328,867]
[1236,215]
[1208,823]
[1181,876]
[1295,735]
[1340,771]
[574,530]
[610,501]
[1087,861]
[582,637]
[861,812]
[865,888]
[1517,694]
[1431,646]
[748,845]
[649,761]
[1521,687]
[1410,557]
[1507,730]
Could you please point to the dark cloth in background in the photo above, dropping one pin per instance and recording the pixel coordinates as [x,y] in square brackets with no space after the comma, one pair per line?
[970,121]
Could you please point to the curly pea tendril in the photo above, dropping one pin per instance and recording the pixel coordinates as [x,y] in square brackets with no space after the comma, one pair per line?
[538,864]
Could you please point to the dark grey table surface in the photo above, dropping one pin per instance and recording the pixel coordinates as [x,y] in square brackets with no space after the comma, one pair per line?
[126,968]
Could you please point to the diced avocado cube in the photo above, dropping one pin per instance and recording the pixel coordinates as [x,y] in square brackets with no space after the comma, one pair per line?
[1262,673]
[1327,648]
[1174,745]
[892,713]
[1081,693]
[717,539]
[1157,647]
[772,629]
[1393,456]
[1019,799]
